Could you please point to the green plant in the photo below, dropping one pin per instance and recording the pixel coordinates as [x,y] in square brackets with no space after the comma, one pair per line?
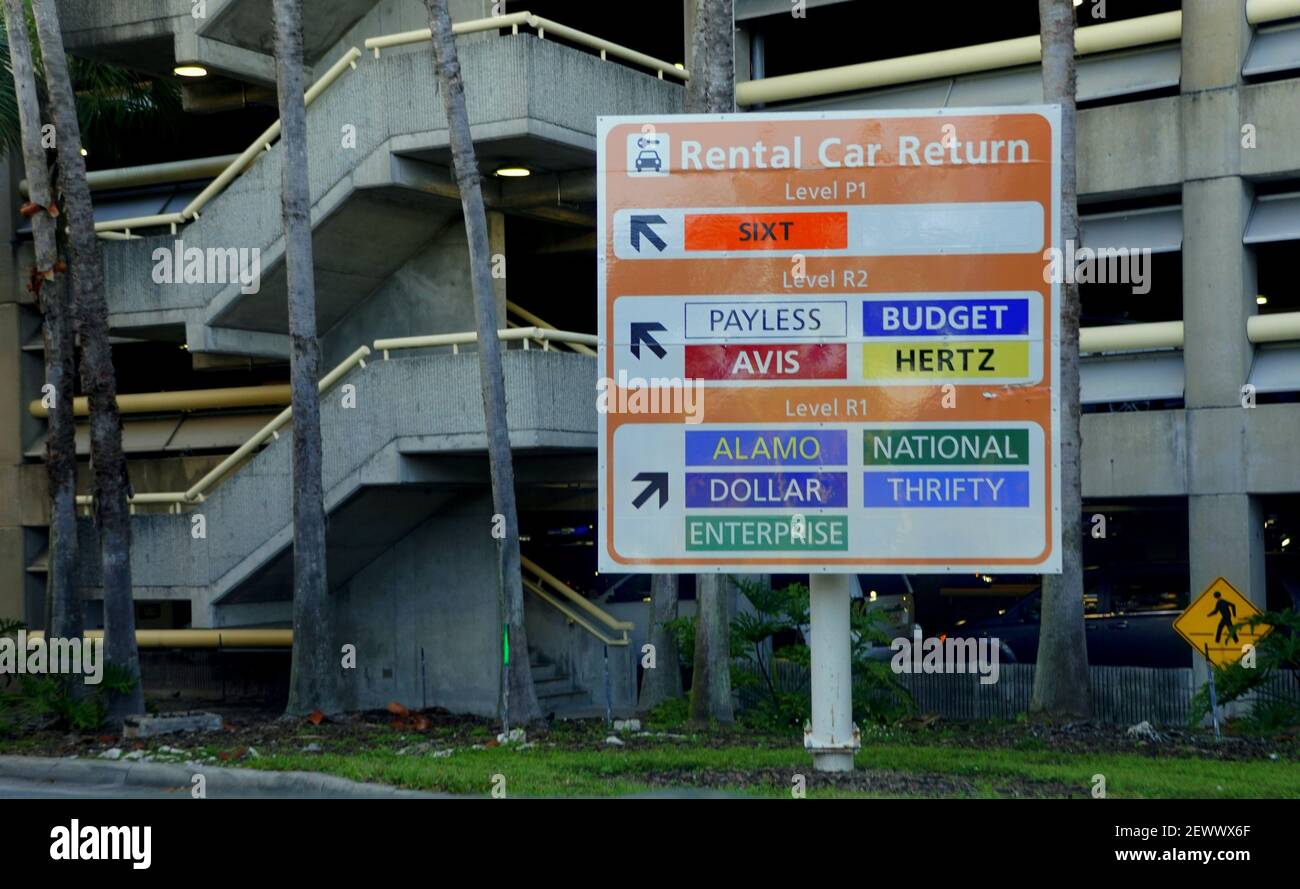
[669,714]
[50,700]
[112,102]
[771,659]
[1279,650]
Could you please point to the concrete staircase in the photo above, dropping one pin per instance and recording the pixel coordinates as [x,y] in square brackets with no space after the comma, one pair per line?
[556,692]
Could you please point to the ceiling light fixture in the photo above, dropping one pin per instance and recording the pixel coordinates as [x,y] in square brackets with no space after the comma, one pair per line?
[514,172]
[190,71]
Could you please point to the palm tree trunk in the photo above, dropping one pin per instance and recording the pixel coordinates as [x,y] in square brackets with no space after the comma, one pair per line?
[712,90]
[522,696]
[314,680]
[665,680]
[108,463]
[63,617]
[1061,675]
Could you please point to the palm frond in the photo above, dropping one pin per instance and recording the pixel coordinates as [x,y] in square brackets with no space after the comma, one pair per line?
[112,103]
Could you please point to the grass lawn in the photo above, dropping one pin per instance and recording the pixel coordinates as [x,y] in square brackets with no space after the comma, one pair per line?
[913,767]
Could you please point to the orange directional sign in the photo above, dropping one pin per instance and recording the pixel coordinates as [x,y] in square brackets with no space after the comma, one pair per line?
[828,341]
[1210,624]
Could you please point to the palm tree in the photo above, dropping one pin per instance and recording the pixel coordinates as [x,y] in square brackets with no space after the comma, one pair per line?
[712,90]
[665,680]
[521,697]
[63,618]
[1061,675]
[314,677]
[108,462]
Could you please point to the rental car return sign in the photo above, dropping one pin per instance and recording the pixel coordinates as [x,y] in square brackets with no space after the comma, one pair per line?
[828,343]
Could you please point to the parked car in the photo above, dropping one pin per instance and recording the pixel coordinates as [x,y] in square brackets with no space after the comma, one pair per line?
[1122,629]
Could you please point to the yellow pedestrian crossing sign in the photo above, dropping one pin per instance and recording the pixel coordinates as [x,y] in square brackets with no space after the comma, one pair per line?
[1211,624]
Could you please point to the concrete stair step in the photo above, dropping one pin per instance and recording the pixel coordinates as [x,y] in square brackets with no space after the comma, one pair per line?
[562,705]
[542,673]
[549,688]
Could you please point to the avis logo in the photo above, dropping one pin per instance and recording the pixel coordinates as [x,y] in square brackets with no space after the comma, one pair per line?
[647,154]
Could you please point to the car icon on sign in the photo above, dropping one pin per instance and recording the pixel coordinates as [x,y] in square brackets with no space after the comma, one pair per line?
[648,160]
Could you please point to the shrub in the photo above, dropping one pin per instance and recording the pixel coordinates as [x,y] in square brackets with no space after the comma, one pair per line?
[1273,711]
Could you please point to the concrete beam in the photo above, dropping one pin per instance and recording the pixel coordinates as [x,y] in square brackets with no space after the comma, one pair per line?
[1134,454]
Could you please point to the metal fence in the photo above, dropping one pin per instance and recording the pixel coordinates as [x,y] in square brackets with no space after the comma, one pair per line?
[1121,695]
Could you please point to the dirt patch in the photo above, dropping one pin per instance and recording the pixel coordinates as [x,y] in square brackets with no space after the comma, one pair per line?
[1087,737]
[881,781]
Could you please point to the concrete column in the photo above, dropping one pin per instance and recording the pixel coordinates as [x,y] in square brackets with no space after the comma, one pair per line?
[833,739]
[1225,525]
[1219,290]
[688,32]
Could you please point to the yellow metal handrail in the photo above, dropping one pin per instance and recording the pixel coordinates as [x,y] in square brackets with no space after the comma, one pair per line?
[544,335]
[520,311]
[547,586]
[1272,328]
[237,637]
[181,400]
[541,26]
[1132,337]
[1106,37]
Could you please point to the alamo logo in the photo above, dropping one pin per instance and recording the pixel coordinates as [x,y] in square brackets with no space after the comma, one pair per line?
[214,265]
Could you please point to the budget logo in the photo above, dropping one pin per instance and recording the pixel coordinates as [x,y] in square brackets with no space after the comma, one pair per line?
[647,154]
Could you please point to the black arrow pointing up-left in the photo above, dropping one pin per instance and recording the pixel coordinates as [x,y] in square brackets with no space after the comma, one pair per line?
[641,227]
[643,332]
[658,481]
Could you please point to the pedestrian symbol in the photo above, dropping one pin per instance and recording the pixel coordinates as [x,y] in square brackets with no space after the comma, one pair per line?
[1212,624]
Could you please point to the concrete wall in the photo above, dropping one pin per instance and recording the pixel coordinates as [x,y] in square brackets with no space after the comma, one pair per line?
[429,294]
[433,591]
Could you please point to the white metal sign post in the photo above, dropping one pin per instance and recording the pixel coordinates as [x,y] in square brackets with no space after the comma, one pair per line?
[827,345]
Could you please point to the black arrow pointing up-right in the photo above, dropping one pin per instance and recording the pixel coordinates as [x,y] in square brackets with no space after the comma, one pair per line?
[658,481]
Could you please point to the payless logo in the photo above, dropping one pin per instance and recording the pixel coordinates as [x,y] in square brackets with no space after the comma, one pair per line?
[647,154]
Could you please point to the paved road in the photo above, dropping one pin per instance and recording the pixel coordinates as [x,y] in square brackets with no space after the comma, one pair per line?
[14,788]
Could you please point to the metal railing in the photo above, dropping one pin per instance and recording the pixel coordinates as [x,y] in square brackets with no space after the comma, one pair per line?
[1272,328]
[236,637]
[181,400]
[514,20]
[526,335]
[551,590]
[1108,37]
[521,312]
[1132,337]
